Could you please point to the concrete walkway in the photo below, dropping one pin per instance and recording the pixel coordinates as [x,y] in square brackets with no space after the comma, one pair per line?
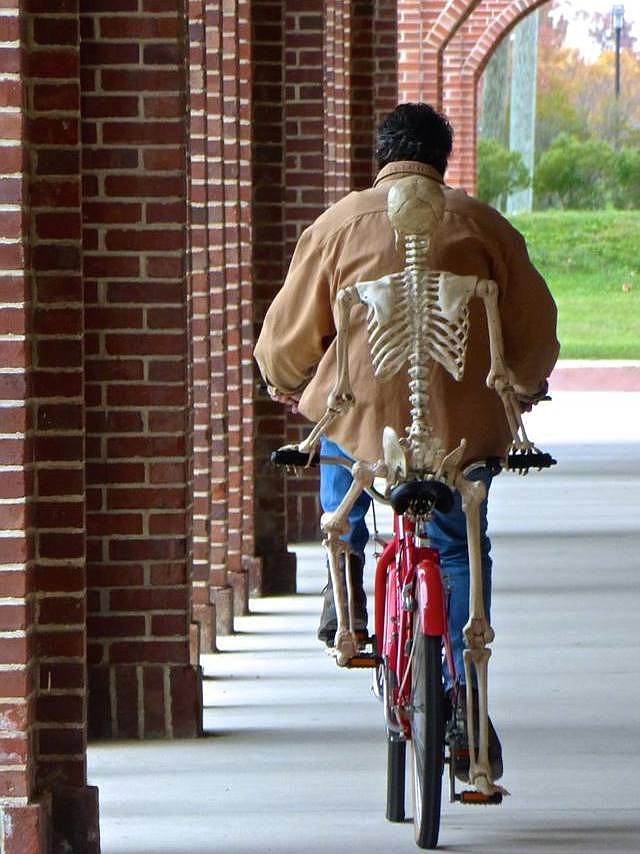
[295,758]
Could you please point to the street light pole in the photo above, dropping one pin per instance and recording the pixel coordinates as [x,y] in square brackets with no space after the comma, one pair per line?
[618,22]
[617,15]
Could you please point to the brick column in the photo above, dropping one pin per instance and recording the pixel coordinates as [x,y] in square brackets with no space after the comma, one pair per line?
[134,210]
[385,59]
[304,201]
[276,570]
[45,799]
[334,99]
[199,260]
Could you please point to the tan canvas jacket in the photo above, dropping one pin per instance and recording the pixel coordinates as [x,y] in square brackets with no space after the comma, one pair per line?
[353,241]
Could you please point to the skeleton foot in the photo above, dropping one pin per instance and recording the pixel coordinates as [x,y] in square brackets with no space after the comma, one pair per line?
[345,648]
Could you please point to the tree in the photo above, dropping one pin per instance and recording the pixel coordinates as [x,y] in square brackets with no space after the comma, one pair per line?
[576,96]
[500,171]
[626,189]
[575,173]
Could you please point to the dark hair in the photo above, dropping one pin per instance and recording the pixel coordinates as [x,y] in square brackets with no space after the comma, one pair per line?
[415,132]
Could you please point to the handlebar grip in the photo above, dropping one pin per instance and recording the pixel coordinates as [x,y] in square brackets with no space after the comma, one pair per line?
[530,460]
[293,457]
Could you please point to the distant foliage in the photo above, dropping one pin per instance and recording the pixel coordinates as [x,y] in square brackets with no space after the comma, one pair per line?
[626,190]
[575,173]
[587,174]
[500,171]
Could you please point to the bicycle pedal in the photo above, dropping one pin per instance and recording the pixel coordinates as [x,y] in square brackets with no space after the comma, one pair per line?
[473,797]
[364,659]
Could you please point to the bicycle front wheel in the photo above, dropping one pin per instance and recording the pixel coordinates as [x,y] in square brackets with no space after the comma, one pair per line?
[427,736]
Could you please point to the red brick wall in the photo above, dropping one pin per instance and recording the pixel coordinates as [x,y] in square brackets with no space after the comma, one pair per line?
[134,214]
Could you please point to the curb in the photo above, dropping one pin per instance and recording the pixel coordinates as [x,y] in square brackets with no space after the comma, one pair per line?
[605,375]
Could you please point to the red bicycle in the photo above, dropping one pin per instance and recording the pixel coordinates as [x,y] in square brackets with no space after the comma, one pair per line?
[411,647]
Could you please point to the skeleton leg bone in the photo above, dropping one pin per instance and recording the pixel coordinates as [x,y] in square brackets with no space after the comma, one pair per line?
[334,525]
[477,634]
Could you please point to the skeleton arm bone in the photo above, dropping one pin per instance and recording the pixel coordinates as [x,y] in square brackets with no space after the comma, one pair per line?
[500,377]
[341,396]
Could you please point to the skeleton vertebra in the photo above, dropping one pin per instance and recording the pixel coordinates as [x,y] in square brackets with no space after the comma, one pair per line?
[417,317]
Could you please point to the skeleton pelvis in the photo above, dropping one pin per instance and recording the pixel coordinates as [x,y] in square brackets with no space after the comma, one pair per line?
[395,457]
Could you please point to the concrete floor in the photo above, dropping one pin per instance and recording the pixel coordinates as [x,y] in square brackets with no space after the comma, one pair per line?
[295,758]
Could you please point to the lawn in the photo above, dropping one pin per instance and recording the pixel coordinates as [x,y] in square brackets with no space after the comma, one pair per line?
[591,261]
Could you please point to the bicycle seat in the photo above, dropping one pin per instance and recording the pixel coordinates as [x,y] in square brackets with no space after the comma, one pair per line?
[421,496]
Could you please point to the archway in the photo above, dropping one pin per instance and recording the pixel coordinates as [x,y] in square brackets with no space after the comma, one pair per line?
[443,48]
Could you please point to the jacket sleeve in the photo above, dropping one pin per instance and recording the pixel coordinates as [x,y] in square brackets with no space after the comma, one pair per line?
[529,315]
[299,323]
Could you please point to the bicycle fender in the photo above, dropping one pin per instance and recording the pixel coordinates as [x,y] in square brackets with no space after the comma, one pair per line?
[385,561]
[430,599]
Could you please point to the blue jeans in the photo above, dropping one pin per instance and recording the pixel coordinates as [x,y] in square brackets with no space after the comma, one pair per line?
[447,532]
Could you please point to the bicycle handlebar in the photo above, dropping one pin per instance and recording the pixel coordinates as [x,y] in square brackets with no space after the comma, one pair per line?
[288,456]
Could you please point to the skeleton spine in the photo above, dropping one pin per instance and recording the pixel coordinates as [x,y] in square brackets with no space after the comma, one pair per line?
[416,249]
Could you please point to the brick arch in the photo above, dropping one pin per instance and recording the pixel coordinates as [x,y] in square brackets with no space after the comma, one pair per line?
[497,30]
[471,50]
[444,28]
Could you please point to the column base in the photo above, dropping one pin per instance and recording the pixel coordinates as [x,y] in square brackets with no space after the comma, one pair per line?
[64,820]
[75,820]
[222,600]
[205,617]
[274,574]
[145,701]
[26,829]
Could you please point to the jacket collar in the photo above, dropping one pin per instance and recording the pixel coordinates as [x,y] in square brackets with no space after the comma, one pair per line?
[407,167]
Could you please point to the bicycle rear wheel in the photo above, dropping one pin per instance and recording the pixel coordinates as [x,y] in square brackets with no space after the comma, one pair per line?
[427,736]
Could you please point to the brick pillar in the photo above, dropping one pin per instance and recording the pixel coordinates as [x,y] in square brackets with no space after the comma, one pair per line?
[200,339]
[385,58]
[142,681]
[45,799]
[418,72]
[276,572]
[459,102]
[357,83]
[304,201]
[235,142]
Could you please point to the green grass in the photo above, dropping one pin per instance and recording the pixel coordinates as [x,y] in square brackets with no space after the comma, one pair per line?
[587,257]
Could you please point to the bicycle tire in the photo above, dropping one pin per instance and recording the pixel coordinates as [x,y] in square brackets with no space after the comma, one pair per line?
[396,751]
[427,736]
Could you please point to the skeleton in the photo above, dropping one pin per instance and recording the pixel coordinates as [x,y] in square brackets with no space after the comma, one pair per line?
[417,317]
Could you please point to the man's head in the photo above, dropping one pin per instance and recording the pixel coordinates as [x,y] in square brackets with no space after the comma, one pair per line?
[415,132]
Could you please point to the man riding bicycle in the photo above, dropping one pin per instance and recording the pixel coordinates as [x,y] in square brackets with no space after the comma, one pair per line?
[353,241]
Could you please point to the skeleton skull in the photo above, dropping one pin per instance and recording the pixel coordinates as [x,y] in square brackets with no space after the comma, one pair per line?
[415,206]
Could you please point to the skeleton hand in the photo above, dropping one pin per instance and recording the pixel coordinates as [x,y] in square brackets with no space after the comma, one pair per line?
[291,399]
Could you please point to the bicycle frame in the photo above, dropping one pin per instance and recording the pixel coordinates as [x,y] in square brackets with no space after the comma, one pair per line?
[408,586]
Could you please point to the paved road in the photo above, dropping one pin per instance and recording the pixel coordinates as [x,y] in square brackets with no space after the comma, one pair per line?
[295,760]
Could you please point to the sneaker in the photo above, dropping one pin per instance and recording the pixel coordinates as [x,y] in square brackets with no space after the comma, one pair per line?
[328,618]
[456,738]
